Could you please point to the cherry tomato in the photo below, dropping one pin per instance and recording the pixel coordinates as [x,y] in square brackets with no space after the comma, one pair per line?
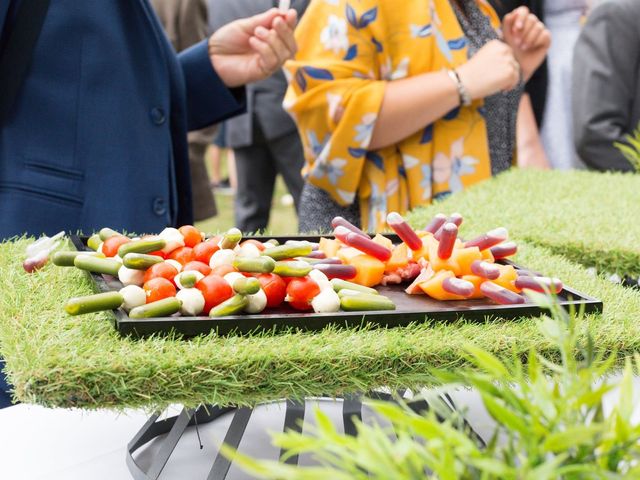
[257,243]
[301,291]
[111,245]
[160,270]
[203,268]
[191,234]
[274,287]
[183,255]
[215,290]
[159,288]
[222,270]
[205,250]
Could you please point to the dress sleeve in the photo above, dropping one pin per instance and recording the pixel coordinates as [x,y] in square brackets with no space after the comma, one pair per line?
[209,100]
[604,85]
[336,91]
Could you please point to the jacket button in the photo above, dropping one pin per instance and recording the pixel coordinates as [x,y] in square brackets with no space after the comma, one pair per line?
[159,207]
[157,116]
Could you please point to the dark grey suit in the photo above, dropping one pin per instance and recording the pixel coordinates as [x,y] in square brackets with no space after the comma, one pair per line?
[606,83]
[265,140]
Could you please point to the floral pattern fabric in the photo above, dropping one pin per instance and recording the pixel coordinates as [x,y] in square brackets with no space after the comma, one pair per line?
[348,51]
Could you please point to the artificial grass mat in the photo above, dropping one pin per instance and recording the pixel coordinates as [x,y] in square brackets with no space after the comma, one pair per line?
[57,360]
[591,218]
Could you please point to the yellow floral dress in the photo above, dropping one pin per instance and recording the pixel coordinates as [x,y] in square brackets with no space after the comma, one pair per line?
[348,51]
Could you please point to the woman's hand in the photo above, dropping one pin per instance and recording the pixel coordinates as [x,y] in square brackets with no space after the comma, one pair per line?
[528,37]
[251,49]
[493,69]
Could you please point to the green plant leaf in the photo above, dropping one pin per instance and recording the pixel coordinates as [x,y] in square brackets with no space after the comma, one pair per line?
[488,362]
[571,437]
[503,415]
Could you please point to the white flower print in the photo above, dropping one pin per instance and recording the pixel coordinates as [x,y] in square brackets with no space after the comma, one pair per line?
[336,110]
[409,161]
[348,197]
[364,130]
[334,35]
[392,187]
[316,146]
[333,169]
[451,168]
[388,73]
[377,205]
[425,183]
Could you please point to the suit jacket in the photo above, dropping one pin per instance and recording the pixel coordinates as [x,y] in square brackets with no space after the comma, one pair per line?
[97,135]
[606,84]
[264,98]
[186,23]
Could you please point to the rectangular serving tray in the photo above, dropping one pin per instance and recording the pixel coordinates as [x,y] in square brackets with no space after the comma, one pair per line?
[409,309]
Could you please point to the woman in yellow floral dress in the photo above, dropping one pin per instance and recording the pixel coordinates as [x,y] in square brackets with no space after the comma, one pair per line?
[399,102]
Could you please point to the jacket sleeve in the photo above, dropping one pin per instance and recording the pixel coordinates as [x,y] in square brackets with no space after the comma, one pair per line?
[209,100]
[604,82]
[4,14]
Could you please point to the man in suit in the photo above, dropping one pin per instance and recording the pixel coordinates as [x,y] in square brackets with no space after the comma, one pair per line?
[265,140]
[606,84]
[96,133]
[93,133]
[186,23]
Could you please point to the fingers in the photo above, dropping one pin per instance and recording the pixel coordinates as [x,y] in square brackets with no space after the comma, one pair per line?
[262,20]
[514,22]
[538,36]
[279,39]
[267,59]
[285,32]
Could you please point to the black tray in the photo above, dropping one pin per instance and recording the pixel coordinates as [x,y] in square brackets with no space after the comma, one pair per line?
[409,308]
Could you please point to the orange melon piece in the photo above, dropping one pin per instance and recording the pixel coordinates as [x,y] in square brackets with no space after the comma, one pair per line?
[347,253]
[370,270]
[384,241]
[477,281]
[399,258]
[464,257]
[437,263]
[329,247]
[424,252]
[425,275]
[488,256]
[434,289]
[507,276]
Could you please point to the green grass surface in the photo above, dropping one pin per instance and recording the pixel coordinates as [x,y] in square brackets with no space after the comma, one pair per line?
[591,218]
[57,360]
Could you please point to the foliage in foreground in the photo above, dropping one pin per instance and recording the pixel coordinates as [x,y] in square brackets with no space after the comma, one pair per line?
[549,416]
[631,151]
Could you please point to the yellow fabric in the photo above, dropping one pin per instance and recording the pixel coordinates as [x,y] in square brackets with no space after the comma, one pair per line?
[348,51]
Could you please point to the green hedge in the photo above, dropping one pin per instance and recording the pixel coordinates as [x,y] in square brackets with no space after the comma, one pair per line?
[57,360]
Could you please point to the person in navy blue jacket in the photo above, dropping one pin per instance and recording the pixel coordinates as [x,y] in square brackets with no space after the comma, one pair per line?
[96,135]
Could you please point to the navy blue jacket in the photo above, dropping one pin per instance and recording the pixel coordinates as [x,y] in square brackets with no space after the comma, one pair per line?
[97,135]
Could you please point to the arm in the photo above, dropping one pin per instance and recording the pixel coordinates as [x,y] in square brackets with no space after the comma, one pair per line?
[604,82]
[530,150]
[412,103]
[244,51]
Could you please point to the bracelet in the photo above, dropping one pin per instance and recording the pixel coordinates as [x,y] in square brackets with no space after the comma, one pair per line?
[465,98]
